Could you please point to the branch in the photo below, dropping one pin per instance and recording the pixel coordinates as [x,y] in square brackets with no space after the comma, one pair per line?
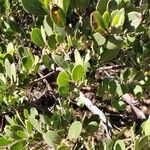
[129,100]
[42,78]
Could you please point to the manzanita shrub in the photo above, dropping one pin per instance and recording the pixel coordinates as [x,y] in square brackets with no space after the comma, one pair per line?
[51,51]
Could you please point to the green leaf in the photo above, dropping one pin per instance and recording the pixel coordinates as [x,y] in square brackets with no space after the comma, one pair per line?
[63,147]
[121,132]
[75,130]
[33,112]
[59,60]
[108,144]
[119,145]
[52,42]
[83,4]
[35,7]
[66,4]
[4,6]
[109,55]
[92,127]
[4,141]
[63,79]
[27,63]
[43,34]
[47,61]
[63,90]
[143,142]
[36,37]
[16,128]
[48,25]
[78,59]
[119,105]
[51,138]
[114,42]
[17,145]
[118,18]
[60,38]
[35,123]
[99,38]
[102,6]
[28,126]
[96,22]
[106,18]
[146,127]
[22,134]
[78,73]
[58,16]
[138,90]
[134,20]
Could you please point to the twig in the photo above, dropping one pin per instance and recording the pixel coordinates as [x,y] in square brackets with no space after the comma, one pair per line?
[105,123]
[42,78]
[129,100]
[111,67]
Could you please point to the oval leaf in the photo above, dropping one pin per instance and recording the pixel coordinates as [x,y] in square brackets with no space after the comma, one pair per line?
[51,138]
[63,79]
[75,130]
[78,73]
[35,7]
[58,16]
[36,37]
[99,38]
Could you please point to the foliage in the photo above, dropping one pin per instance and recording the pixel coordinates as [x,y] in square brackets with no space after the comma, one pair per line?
[62,48]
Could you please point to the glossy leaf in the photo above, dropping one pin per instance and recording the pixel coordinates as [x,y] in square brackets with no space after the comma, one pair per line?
[36,37]
[106,19]
[134,19]
[17,145]
[35,7]
[78,73]
[47,61]
[63,79]
[99,38]
[4,141]
[48,24]
[102,6]
[118,18]
[114,42]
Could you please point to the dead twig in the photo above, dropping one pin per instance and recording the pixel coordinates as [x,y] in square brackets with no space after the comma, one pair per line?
[43,77]
[130,100]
